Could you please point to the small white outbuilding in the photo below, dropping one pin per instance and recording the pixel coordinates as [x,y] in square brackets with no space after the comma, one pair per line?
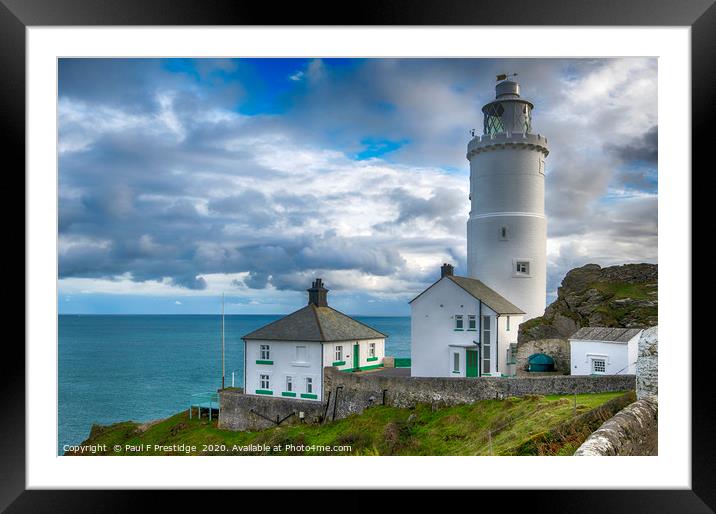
[604,351]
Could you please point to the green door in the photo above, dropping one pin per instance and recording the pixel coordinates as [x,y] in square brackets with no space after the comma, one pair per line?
[356,356]
[471,365]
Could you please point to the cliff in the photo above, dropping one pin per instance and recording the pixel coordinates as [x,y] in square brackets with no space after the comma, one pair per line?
[616,296]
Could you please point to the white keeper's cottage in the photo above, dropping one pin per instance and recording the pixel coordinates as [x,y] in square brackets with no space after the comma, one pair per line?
[286,358]
[604,351]
[462,328]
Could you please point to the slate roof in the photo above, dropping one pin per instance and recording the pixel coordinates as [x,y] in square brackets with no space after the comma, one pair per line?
[477,289]
[616,335]
[313,323]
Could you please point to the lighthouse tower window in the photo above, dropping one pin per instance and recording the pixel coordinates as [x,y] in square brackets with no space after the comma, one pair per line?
[503,233]
[522,267]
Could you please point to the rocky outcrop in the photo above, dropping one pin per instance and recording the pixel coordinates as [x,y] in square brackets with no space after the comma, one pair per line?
[617,296]
[632,431]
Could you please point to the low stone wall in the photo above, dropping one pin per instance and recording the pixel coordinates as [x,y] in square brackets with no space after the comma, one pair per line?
[632,431]
[647,376]
[351,394]
[558,349]
[239,411]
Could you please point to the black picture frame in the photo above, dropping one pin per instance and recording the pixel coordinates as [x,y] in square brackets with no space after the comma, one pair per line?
[17,15]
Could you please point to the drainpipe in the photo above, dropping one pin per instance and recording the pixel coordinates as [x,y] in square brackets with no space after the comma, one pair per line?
[497,343]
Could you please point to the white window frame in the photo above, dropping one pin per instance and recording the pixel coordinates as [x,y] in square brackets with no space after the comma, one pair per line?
[303,363]
[472,322]
[455,362]
[289,383]
[516,263]
[592,362]
[338,353]
[267,380]
[486,344]
[265,352]
[459,317]
[371,350]
[308,385]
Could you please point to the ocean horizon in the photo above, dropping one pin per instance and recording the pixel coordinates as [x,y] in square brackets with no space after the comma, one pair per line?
[141,367]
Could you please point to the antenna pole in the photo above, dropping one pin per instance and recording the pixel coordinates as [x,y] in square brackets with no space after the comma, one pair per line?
[223,367]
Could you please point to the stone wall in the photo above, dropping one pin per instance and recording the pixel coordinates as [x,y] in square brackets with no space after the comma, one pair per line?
[647,376]
[558,349]
[632,431]
[239,411]
[352,394]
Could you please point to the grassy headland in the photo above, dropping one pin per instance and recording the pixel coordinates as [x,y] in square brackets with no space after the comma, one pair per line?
[532,425]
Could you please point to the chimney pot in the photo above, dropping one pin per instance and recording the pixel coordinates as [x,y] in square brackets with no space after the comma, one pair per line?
[317,294]
[447,270]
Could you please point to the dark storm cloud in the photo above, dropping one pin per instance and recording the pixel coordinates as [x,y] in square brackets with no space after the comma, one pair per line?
[644,148]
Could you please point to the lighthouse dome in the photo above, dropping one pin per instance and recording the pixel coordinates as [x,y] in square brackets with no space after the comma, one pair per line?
[506,89]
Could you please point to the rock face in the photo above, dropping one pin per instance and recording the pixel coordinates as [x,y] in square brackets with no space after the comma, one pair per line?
[558,349]
[617,296]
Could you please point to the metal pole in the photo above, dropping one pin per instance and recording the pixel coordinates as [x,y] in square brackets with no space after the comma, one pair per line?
[575,405]
[223,369]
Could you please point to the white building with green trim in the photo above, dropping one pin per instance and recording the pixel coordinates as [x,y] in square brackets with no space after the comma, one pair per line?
[462,328]
[286,358]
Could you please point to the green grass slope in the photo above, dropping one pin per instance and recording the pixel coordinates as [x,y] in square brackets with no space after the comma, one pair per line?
[533,425]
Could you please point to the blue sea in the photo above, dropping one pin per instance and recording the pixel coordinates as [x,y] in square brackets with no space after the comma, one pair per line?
[143,367]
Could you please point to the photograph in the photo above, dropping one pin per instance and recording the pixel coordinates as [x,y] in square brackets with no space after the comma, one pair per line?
[360,256]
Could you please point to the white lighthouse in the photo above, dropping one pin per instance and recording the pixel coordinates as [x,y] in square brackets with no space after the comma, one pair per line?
[507,228]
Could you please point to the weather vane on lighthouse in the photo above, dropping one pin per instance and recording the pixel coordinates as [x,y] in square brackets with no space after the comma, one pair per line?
[505,76]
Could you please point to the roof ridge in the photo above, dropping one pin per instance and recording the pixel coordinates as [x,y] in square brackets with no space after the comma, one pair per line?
[314,308]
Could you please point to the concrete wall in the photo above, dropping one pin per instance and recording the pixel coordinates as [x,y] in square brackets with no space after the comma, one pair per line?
[632,431]
[361,391]
[240,411]
[647,373]
[284,362]
[558,349]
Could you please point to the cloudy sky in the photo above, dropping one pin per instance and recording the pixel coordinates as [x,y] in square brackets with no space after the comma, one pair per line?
[182,179]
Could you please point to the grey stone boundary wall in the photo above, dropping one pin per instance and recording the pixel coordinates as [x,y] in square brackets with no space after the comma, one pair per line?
[351,394]
[244,412]
[647,372]
[632,431]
